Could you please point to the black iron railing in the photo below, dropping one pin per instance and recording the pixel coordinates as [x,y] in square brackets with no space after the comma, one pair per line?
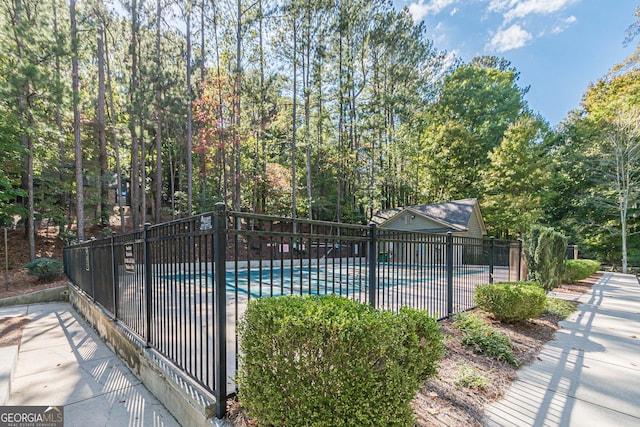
[183,286]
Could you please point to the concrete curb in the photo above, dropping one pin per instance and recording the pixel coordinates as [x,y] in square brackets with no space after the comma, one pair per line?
[9,354]
[60,293]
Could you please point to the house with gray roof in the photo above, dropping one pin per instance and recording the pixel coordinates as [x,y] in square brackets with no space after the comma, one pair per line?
[460,217]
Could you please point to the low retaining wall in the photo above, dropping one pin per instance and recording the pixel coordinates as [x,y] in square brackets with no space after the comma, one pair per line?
[187,404]
[60,293]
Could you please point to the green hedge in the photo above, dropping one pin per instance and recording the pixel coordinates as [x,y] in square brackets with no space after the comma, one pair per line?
[46,269]
[329,361]
[511,302]
[579,269]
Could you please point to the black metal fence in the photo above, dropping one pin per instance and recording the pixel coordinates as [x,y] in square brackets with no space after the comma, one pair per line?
[183,286]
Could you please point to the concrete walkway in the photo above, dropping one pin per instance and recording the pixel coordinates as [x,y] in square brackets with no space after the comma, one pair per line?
[589,375]
[62,362]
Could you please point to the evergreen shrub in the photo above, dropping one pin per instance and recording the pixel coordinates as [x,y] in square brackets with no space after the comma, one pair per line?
[579,269]
[545,251]
[511,301]
[46,269]
[329,361]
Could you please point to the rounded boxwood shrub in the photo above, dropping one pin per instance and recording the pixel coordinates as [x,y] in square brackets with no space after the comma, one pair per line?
[329,361]
[579,269]
[512,302]
[45,269]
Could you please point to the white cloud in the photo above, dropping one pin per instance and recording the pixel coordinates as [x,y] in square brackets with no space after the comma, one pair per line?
[513,37]
[564,25]
[454,11]
[419,9]
[439,33]
[521,9]
[501,5]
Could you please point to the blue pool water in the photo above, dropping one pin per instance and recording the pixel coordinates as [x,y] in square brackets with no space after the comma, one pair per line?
[296,280]
[312,280]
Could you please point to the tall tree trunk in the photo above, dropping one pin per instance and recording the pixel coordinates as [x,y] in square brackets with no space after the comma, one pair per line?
[102,137]
[189,145]
[263,115]
[340,170]
[294,112]
[58,113]
[133,111]
[158,90]
[116,144]
[306,72]
[238,111]
[26,119]
[203,68]
[76,121]
[172,185]
[143,177]
[318,83]
[222,156]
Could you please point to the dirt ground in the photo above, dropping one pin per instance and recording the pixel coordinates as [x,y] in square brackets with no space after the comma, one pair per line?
[439,403]
[14,279]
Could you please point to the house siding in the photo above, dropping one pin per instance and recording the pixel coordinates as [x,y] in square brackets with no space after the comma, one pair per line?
[475,230]
[417,223]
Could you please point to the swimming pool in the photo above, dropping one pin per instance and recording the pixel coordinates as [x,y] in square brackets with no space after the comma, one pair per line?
[316,280]
[303,280]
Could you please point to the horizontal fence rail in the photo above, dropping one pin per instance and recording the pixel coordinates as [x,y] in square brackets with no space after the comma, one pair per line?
[183,286]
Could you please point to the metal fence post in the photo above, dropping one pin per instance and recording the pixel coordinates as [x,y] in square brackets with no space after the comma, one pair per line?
[92,257]
[146,255]
[449,274]
[220,305]
[372,265]
[491,261]
[114,282]
[519,259]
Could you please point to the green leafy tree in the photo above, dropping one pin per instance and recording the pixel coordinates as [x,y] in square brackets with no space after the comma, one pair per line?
[475,107]
[600,148]
[621,167]
[515,182]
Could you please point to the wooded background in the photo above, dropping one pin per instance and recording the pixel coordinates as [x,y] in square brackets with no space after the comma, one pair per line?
[117,113]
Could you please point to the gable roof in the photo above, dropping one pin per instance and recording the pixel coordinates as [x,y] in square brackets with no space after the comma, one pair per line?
[453,216]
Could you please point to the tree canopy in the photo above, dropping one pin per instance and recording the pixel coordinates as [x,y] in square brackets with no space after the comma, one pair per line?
[116,113]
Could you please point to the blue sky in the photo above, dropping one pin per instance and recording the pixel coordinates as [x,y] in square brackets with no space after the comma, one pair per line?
[559,46]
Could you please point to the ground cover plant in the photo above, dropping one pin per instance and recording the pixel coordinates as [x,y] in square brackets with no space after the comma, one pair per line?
[484,339]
